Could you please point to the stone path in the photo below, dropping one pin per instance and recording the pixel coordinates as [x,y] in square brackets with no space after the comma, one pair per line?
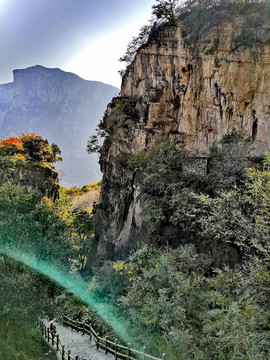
[78,344]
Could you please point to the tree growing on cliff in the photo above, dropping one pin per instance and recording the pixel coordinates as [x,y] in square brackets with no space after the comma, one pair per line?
[166,10]
[56,152]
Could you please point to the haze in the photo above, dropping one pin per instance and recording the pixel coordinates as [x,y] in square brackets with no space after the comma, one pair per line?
[85,37]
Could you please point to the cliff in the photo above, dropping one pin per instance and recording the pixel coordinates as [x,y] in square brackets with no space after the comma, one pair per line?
[61,106]
[192,93]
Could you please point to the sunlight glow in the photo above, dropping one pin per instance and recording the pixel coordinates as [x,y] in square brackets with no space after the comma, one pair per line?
[78,286]
[100,58]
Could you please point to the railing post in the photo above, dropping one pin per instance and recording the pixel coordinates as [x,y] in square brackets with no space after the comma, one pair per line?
[163,356]
[83,329]
[77,324]
[116,356]
[48,334]
[76,357]
[90,331]
[97,343]
[128,351]
[144,352]
[57,342]
[106,344]
[68,354]
[63,352]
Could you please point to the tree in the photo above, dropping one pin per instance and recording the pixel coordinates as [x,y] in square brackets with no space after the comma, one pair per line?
[82,225]
[56,153]
[228,161]
[240,215]
[165,10]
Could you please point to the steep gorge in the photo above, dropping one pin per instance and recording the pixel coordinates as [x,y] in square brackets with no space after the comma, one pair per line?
[61,107]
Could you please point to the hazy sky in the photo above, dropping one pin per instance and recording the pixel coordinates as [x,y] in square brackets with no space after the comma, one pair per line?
[85,37]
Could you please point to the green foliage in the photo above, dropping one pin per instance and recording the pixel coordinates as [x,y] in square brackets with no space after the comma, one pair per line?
[56,152]
[266,161]
[123,114]
[78,191]
[29,223]
[228,161]
[29,147]
[197,25]
[82,226]
[48,231]
[115,128]
[167,187]
[199,17]
[179,309]
[24,297]
[166,11]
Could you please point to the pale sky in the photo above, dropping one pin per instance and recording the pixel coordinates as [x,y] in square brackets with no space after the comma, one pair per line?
[85,37]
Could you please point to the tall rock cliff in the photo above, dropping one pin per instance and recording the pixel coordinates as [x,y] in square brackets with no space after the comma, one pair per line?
[63,108]
[191,93]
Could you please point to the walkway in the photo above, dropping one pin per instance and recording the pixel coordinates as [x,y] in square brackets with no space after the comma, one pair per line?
[78,344]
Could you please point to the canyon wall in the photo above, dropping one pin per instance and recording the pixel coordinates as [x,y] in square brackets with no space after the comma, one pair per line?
[192,95]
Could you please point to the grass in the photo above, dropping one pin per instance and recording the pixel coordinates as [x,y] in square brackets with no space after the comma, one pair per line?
[23,342]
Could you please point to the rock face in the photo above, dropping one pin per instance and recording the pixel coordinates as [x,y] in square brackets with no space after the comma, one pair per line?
[30,176]
[191,95]
[63,108]
[198,99]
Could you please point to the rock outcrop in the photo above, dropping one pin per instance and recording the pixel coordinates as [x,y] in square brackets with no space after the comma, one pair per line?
[193,95]
[27,161]
[62,107]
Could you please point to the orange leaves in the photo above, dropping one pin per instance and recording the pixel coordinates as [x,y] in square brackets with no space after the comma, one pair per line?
[16,144]
[30,145]
[28,136]
[12,143]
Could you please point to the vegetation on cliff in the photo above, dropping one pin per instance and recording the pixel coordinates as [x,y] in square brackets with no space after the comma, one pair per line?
[173,298]
[178,302]
[115,127]
[31,147]
[197,18]
[199,288]
[27,161]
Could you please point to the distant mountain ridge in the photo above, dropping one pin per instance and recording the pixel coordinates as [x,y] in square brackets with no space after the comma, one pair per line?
[63,108]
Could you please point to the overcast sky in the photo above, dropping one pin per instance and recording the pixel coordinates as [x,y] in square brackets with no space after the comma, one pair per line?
[85,37]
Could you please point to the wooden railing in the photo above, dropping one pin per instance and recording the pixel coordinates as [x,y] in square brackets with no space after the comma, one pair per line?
[119,351]
[52,338]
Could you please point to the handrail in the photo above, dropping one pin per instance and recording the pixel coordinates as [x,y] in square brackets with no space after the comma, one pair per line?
[55,341]
[118,350]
